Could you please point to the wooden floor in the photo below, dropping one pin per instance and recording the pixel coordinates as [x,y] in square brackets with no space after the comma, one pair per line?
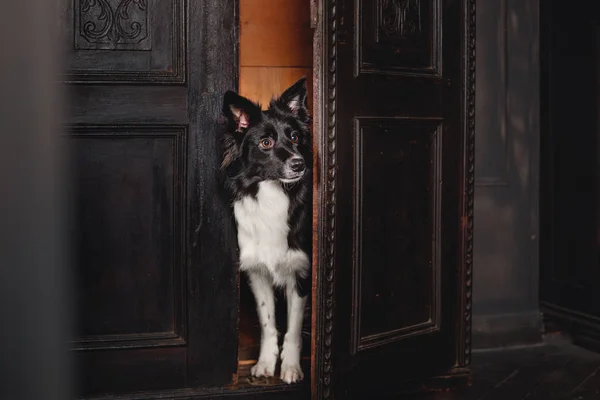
[558,370]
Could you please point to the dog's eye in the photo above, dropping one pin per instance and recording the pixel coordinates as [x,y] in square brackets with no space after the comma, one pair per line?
[294,137]
[267,143]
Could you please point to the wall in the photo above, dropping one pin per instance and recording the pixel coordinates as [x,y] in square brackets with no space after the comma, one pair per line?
[275,47]
[505,304]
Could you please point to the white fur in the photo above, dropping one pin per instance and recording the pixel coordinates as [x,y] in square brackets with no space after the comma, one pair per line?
[265,305]
[263,235]
[292,342]
[264,254]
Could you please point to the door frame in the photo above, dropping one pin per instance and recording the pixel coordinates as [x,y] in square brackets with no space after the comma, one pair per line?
[326,36]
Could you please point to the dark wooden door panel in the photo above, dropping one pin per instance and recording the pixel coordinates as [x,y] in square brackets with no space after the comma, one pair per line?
[141,41]
[128,104]
[111,371]
[155,277]
[398,38]
[397,159]
[130,197]
[396,266]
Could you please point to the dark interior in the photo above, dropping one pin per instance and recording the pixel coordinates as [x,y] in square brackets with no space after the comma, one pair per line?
[570,170]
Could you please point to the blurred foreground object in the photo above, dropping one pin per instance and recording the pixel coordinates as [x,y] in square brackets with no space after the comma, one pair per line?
[34,315]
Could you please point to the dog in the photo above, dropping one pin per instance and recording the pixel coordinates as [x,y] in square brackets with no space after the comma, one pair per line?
[266,167]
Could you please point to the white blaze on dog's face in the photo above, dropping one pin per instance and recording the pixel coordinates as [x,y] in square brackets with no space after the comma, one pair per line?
[274,144]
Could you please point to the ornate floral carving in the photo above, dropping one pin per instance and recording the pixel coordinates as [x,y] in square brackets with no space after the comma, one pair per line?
[400,18]
[113,24]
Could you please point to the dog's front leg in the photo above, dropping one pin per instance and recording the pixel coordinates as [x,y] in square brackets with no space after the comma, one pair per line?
[262,288]
[292,343]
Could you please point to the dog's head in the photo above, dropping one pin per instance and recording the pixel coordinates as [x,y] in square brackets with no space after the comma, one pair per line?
[268,145]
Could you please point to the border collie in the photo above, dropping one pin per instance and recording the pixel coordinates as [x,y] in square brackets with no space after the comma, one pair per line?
[266,166]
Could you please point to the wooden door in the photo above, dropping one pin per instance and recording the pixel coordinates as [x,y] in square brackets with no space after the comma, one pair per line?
[570,169]
[396,136]
[155,279]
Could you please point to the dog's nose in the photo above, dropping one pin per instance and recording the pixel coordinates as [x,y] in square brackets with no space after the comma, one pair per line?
[297,164]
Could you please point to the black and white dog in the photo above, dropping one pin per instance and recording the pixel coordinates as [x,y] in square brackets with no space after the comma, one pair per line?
[267,159]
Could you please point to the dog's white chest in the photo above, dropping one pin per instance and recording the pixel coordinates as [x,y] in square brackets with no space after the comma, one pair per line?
[263,233]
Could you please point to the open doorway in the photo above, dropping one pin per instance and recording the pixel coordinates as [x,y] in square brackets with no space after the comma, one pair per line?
[275,50]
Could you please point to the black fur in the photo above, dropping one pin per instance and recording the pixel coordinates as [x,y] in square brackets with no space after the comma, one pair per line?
[245,164]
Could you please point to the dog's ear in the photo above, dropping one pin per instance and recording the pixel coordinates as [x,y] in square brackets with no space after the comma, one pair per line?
[240,112]
[294,99]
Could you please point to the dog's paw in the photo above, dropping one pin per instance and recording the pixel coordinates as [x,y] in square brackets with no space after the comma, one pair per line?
[264,368]
[291,373]
[267,360]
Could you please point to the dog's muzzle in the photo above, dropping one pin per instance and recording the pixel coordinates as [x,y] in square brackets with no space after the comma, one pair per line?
[294,169]
[297,165]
